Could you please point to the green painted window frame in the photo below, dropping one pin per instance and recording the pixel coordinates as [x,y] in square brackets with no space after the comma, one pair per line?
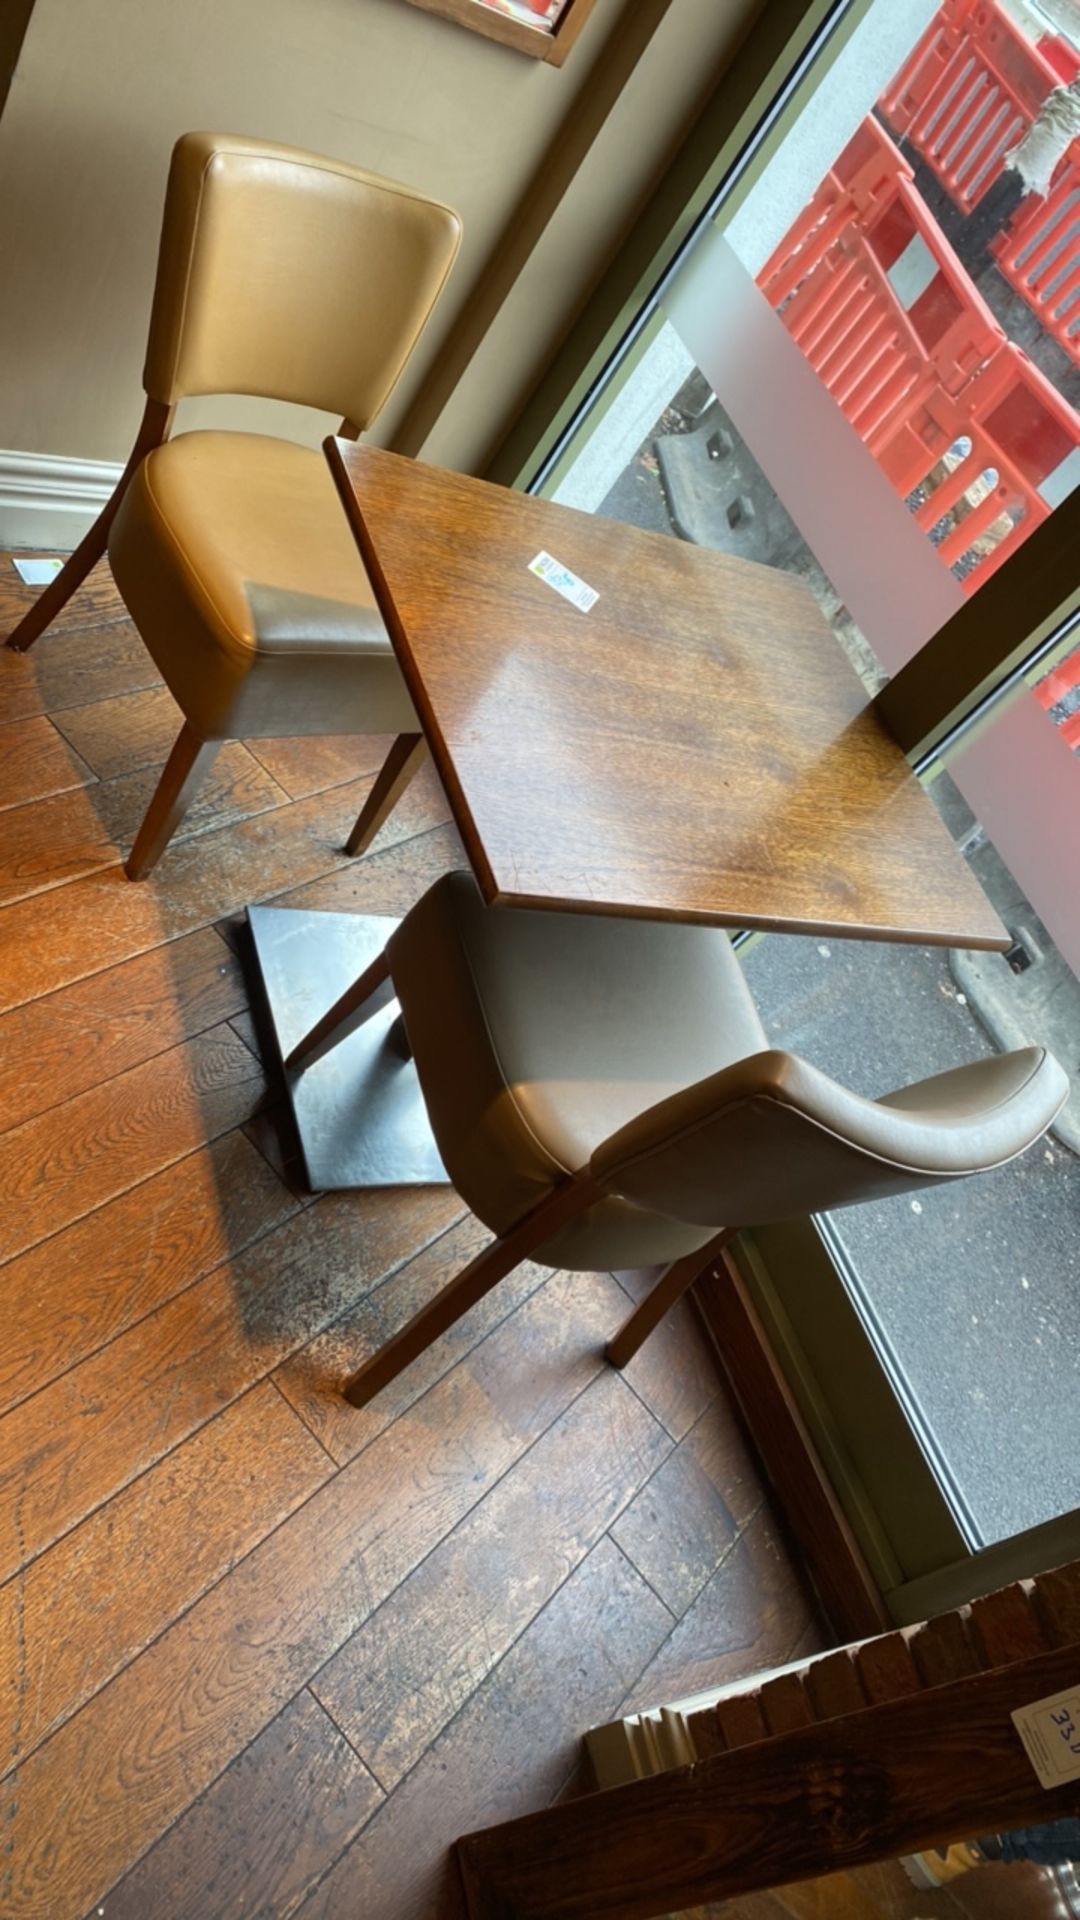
[879,1462]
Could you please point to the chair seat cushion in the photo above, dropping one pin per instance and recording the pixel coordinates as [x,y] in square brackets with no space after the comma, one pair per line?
[234,556]
[537,1034]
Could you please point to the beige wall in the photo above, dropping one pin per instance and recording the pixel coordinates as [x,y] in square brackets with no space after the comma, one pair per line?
[665,92]
[103,87]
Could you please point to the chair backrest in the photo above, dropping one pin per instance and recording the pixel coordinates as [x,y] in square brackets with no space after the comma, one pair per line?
[291,276]
[772,1137]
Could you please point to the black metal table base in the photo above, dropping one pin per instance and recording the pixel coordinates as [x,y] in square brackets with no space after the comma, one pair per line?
[359,1111]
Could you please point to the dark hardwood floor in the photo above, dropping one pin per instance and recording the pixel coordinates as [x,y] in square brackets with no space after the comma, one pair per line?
[261,1654]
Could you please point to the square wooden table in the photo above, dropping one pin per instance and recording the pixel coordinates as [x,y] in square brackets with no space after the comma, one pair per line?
[693,747]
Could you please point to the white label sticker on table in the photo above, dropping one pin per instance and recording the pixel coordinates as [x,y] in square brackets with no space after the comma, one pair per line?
[564,581]
[1050,1731]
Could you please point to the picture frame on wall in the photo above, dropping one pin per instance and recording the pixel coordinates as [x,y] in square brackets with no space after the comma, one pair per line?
[543,29]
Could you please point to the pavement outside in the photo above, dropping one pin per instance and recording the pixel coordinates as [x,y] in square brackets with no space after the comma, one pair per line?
[973,1290]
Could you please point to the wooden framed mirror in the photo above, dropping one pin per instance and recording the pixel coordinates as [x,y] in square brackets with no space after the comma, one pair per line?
[543,29]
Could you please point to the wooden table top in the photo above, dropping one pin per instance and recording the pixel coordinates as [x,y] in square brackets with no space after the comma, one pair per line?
[695,747]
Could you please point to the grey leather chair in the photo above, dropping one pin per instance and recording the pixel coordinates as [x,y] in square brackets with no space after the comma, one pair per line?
[604,1095]
[295,277]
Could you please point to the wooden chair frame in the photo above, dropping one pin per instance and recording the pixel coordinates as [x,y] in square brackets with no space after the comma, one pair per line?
[573,1196]
[191,757]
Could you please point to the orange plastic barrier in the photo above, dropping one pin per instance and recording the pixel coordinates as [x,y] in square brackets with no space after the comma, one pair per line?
[868,286]
[1008,429]
[1039,254]
[1060,54]
[1055,687]
[860,182]
[875,297]
[967,94]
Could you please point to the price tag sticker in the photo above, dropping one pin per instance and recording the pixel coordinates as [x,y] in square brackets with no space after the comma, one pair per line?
[1050,1731]
[564,581]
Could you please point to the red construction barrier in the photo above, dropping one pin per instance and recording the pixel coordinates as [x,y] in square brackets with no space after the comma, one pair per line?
[1060,54]
[1065,676]
[1010,438]
[967,94]
[877,300]
[963,423]
[1039,254]
[868,286]
[1055,687]
[859,183]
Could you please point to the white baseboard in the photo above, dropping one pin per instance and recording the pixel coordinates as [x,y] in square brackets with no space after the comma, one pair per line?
[47,501]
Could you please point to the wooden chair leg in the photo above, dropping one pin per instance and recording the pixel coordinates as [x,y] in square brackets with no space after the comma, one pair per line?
[469,1286]
[153,430]
[670,1287]
[186,766]
[357,1004]
[402,763]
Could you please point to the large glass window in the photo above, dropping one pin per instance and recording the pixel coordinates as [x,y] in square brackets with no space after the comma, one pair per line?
[866,370]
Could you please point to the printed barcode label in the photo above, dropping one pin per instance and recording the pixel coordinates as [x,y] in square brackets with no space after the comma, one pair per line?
[564,581]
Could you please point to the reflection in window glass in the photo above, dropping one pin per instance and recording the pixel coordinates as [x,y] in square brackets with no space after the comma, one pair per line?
[1057,688]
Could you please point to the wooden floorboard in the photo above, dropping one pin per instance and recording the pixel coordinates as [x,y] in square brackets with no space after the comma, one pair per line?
[116,736]
[121,735]
[109,1782]
[749,1616]
[304,767]
[63,670]
[101,919]
[399,1681]
[68,835]
[64,1163]
[95,1428]
[67,1042]
[680,1527]
[310,1378]
[36,761]
[72,1294]
[177,1529]
[96,603]
[233,1855]
[513,1745]
[263,1654]
[674,1372]
[403,876]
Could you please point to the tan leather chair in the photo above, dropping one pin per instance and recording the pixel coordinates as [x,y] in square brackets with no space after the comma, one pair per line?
[297,278]
[604,1095]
